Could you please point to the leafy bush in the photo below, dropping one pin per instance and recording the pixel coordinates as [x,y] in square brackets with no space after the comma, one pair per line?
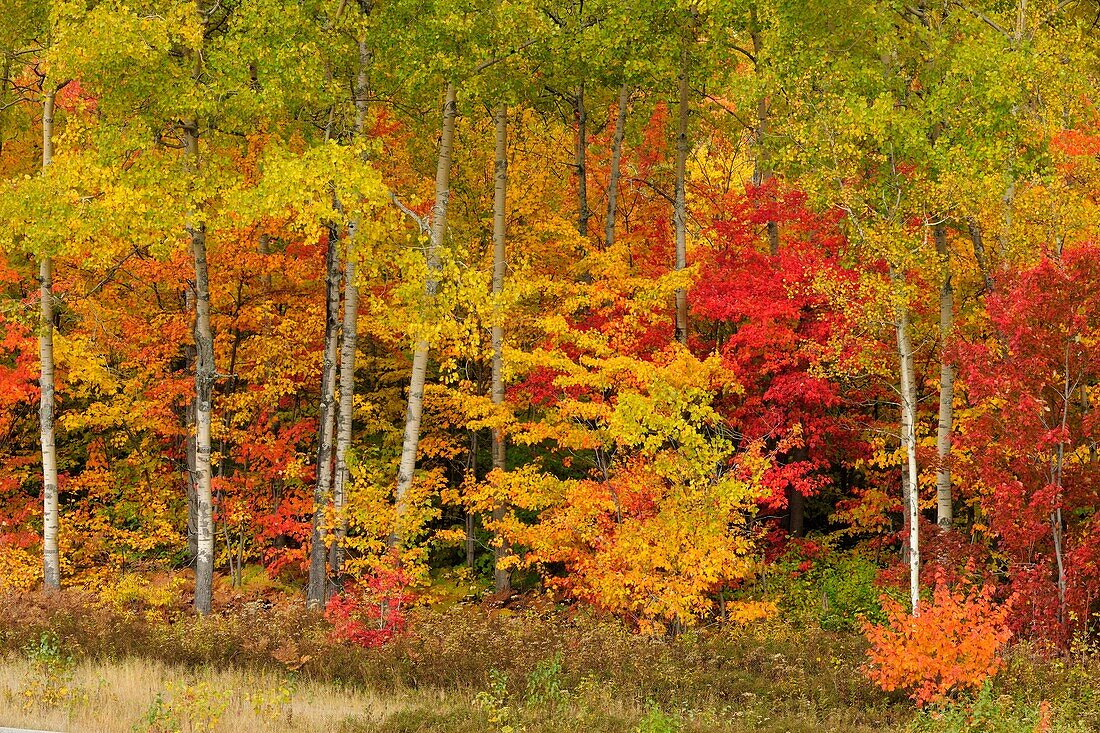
[544,683]
[658,721]
[954,644]
[494,703]
[196,708]
[837,590]
[987,713]
[50,680]
[371,612]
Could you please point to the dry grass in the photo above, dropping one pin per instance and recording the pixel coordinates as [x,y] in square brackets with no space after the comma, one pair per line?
[99,668]
[122,697]
[141,696]
[564,671]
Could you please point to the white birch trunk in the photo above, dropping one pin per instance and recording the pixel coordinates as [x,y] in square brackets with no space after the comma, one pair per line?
[502,579]
[348,346]
[420,352]
[204,397]
[581,163]
[680,206]
[51,557]
[945,514]
[616,158]
[317,589]
[346,406]
[909,440]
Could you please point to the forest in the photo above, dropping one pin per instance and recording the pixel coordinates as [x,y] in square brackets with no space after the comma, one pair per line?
[539,365]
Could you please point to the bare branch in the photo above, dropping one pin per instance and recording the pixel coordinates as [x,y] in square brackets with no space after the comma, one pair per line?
[987,20]
[421,221]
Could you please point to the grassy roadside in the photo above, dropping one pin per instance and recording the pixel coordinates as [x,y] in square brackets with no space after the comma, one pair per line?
[143,696]
[460,668]
[72,664]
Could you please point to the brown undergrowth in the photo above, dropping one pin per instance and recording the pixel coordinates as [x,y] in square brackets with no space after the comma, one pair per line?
[464,667]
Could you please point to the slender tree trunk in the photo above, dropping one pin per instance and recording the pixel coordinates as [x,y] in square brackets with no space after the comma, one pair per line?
[471,469]
[945,514]
[188,420]
[5,79]
[51,558]
[349,343]
[470,540]
[616,158]
[909,441]
[762,172]
[502,578]
[431,286]
[204,397]
[1056,515]
[1059,560]
[975,231]
[796,512]
[317,590]
[581,164]
[189,486]
[796,502]
[680,211]
[345,407]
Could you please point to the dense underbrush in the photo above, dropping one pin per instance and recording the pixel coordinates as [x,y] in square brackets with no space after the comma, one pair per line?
[561,669]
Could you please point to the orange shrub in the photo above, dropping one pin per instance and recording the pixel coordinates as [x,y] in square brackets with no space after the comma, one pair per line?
[953,644]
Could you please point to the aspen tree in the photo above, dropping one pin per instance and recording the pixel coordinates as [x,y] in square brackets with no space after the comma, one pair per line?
[944,424]
[195,52]
[503,45]
[26,39]
[616,164]
[349,340]
[908,397]
[417,378]
[501,577]
[680,205]
[317,589]
[51,560]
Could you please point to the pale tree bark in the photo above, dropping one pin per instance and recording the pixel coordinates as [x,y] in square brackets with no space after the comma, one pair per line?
[909,438]
[5,80]
[317,588]
[188,421]
[51,557]
[471,471]
[980,258]
[204,367]
[1056,519]
[204,395]
[616,159]
[502,578]
[945,514]
[189,485]
[346,407]
[581,162]
[762,172]
[1059,559]
[348,345]
[680,205]
[431,285]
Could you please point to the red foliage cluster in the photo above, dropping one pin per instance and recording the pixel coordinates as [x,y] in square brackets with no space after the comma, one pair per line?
[776,331]
[373,611]
[1032,443]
